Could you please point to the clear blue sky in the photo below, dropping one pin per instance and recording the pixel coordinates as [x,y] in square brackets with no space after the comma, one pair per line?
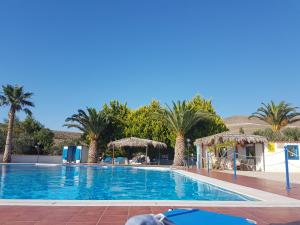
[74,54]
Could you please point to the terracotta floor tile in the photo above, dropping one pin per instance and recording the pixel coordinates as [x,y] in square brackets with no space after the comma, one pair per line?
[254,182]
[112,212]
[85,218]
[57,218]
[19,223]
[81,223]
[117,207]
[92,211]
[115,218]
[50,223]
[29,217]
[111,223]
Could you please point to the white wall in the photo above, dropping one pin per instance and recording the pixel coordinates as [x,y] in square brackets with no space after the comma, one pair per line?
[275,161]
[259,150]
[258,154]
[35,159]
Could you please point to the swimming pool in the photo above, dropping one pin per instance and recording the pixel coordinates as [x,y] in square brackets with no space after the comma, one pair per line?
[70,182]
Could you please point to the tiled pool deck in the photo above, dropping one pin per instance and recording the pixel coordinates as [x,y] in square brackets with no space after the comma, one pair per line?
[109,215]
[97,215]
[275,187]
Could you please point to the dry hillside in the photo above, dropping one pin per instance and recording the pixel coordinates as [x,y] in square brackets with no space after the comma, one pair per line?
[234,123]
[61,136]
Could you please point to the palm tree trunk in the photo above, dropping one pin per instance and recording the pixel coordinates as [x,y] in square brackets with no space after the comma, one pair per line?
[93,152]
[8,143]
[179,151]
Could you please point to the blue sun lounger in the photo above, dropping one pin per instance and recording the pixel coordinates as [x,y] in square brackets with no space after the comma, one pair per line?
[188,217]
[201,217]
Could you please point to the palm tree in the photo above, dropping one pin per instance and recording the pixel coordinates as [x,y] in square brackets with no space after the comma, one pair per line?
[277,115]
[180,119]
[17,100]
[92,123]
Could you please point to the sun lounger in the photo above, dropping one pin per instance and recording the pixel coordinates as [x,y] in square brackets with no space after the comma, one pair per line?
[107,160]
[121,160]
[199,217]
[188,217]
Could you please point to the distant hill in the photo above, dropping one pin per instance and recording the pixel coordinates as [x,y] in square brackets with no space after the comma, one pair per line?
[61,136]
[234,123]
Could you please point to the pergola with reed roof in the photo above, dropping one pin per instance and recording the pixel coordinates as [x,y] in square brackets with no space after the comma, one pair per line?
[134,142]
[225,137]
[241,139]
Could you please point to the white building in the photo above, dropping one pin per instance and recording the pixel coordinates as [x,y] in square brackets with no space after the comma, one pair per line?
[252,152]
[275,156]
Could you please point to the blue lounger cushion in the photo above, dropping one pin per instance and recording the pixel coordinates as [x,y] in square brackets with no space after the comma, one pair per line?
[201,217]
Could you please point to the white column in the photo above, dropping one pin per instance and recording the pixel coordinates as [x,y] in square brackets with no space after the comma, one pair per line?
[199,157]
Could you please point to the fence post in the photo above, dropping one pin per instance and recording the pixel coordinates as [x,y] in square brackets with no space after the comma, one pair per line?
[287,175]
[207,157]
[234,163]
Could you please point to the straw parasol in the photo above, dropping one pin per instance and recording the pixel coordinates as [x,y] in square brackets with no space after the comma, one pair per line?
[227,136]
[134,142]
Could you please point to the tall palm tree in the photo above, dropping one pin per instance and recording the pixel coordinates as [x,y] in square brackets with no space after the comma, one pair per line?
[18,100]
[92,123]
[180,118]
[277,115]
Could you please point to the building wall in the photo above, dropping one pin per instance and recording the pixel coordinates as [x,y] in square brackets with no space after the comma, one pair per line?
[259,150]
[35,159]
[275,161]
[266,160]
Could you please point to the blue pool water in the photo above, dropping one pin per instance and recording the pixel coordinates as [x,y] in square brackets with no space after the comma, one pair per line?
[104,183]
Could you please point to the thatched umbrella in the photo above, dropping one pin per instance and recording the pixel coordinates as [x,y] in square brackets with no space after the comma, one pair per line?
[134,142]
[230,137]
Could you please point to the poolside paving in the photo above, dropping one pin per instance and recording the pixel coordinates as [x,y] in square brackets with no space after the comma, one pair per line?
[97,215]
[272,186]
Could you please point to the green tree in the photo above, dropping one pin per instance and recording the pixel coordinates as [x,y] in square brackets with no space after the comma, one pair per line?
[21,142]
[212,125]
[92,123]
[17,100]
[142,124]
[43,139]
[180,119]
[28,135]
[30,125]
[277,115]
[117,114]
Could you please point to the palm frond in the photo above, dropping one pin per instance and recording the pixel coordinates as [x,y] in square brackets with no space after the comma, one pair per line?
[277,115]
[180,118]
[16,98]
[89,121]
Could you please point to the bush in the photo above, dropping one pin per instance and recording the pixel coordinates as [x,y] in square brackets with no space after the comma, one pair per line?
[28,136]
[292,134]
[288,134]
